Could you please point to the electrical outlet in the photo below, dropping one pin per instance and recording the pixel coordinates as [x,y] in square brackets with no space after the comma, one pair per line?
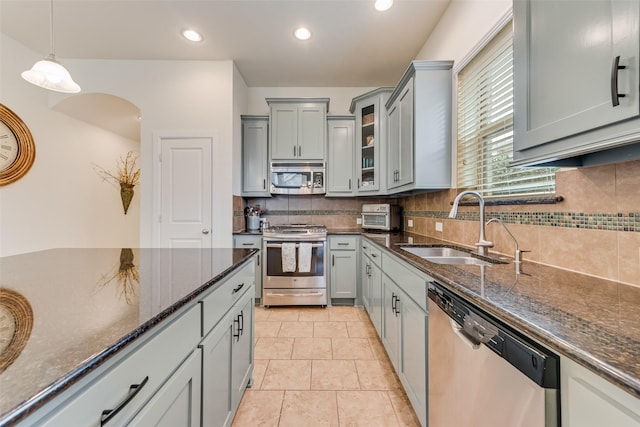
[438,226]
[359,221]
[410,240]
[409,223]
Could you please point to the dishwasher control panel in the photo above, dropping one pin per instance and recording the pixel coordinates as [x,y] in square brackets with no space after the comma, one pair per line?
[530,358]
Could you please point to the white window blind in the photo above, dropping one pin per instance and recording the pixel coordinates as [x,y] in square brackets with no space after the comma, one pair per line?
[485,127]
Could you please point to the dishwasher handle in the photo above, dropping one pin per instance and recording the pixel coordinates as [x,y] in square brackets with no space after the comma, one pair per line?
[460,333]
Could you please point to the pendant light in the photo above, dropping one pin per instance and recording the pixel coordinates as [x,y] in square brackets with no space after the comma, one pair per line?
[49,73]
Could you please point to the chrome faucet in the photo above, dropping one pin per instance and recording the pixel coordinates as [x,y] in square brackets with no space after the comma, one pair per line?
[482,244]
[517,259]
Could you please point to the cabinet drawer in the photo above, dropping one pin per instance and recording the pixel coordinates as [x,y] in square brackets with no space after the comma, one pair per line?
[375,255]
[217,303]
[247,241]
[343,242]
[413,284]
[174,342]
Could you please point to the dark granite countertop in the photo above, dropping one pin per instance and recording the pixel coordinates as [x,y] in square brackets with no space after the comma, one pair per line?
[79,307]
[593,321]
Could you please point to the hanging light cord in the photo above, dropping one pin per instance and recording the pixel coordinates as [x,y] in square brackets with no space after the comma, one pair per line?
[51,26]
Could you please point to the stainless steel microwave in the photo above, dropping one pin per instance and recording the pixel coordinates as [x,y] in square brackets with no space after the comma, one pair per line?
[298,178]
[381,216]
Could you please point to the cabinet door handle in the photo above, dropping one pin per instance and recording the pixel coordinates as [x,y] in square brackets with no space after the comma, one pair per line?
[294,151]
[236,335]
[358,182]
[614,81]
[396,309]
[333,260]
[237,288]
[134,389]
[393,302]
[258,263]
[299,150]
[241,318]
[264,184]
[349,183]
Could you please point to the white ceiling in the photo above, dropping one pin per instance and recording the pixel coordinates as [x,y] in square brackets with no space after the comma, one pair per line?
[352,44]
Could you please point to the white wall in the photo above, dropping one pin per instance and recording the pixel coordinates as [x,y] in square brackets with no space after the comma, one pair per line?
[462,26]
[240,100]
[61,201]
[339,97]
[173,96]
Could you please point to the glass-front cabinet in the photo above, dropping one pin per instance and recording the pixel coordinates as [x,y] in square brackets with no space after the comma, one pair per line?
[370,140]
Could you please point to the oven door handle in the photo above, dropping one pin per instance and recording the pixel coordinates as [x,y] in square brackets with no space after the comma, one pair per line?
[279,245]
[310,294]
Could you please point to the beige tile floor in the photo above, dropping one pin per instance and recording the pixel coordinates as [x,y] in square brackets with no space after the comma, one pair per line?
[321,367]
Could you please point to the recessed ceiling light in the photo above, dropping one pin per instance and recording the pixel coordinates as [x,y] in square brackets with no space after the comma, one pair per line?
[383,5]
[192,35]
[302,33]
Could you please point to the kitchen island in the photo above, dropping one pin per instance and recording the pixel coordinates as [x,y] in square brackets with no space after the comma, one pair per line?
[80,311]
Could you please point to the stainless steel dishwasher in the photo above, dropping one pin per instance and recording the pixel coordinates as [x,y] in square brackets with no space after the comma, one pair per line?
[484,374]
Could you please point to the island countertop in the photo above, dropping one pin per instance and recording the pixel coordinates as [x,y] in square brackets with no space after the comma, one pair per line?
[75,308]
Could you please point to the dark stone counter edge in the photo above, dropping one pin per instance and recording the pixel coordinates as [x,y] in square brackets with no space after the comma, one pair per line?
[628,383]
[30,406]
[619,378]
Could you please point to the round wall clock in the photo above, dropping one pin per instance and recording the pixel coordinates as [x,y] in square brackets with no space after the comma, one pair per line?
[17,149]
[16,322]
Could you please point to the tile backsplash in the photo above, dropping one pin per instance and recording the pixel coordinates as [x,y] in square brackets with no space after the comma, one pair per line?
[594,230]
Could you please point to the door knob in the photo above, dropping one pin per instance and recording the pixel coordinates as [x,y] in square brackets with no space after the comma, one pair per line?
[205,231]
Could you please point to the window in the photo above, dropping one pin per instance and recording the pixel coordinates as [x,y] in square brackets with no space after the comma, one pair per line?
[485,127]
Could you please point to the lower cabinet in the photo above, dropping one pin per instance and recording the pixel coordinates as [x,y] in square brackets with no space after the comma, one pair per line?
[413,356]
[590,401]
[127,388]
[376,297]
[395,296]
[227,363]
[178,401]
[404,338]
[343,266]
[391,320]
[252,241]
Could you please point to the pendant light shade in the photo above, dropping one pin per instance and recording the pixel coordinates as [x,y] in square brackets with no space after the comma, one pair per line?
[49,73]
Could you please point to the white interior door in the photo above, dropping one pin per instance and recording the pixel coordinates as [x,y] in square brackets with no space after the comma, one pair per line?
[186,217]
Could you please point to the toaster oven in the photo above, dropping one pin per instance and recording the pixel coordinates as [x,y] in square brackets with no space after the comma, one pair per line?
[382,216]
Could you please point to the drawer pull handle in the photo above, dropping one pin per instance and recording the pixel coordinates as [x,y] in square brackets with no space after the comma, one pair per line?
[374,255]
[614,81]
[134,389]
[247,244]
[343,243]
[237,288]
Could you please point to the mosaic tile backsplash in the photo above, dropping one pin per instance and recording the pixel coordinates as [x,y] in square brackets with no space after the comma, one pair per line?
[594,229]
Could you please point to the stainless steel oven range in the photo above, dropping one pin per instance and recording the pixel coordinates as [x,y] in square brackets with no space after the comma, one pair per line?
[294,267]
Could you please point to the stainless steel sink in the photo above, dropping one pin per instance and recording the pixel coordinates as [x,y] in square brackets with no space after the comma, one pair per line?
[443,255]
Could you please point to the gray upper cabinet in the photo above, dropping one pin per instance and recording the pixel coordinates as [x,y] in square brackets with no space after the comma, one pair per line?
[400,141]
[576,77]
[371,136]
[298,128]
[255,160]
[419,138]
[340,161]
